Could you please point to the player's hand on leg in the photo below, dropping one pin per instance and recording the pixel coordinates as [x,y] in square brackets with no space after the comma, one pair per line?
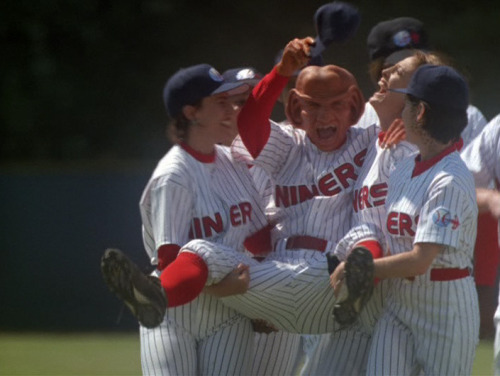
[234,283]
[295,56]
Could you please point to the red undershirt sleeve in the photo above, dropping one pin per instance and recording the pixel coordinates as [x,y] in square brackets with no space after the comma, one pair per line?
[253,121]
[374,247]
[166,254]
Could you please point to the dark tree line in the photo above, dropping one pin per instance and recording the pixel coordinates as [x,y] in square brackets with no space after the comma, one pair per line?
[83,79]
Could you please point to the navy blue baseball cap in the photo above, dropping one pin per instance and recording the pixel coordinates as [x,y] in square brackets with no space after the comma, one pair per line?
[244,75]
[335,22]
[403,33]
[439,85]
[190,85]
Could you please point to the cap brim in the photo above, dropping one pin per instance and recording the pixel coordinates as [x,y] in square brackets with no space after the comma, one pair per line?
[398,56]
[232,88]
[318,47]
[403,91]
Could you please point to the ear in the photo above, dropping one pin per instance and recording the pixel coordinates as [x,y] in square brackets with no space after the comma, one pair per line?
[189,112]
[357,101]
[293,109]
[421,112]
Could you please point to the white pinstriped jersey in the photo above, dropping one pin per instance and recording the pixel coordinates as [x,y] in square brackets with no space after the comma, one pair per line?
[301,172]
[188,199]
[370,192]
[475,124]
[368,204]
[436,206]
[368,118]
[482,155]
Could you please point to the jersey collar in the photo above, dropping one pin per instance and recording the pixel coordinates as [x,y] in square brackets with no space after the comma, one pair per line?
[422,166]
[200,157]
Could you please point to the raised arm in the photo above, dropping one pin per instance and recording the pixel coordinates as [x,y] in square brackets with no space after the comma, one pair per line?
[253,121]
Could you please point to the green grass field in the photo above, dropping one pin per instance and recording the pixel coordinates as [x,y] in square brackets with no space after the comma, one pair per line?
[107,354]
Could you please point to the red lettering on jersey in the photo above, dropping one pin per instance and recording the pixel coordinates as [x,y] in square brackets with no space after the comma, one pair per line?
[364,194]
[344,172]
[367,197]
[282,196]
[235,215]
[405,224]
[355,201]
[209,224]
[399,224]
[306,194]
[360,158]
[378,191]
[195,231]
[246,211]
[392,223]
[240,214]
[328,185]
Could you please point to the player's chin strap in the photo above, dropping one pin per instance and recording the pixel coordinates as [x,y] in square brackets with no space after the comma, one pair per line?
[333,261]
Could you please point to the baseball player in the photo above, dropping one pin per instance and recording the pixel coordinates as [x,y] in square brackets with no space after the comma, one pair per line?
[294,278]
[396,39]
[275,351]
[389,42]
[370,192]
[430,322]
[196,191]
[482,157]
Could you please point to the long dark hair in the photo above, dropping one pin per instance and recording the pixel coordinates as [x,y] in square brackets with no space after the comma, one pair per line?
[178,128]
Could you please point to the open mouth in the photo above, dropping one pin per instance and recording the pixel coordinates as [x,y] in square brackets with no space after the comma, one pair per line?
[326,132]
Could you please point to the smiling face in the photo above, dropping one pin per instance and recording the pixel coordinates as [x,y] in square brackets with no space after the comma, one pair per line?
[325,103]
[237,101]
[386,103]
[212,120]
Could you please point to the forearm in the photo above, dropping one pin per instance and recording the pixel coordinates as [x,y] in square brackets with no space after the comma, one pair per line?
[253,121]
[407,264]
[488,200]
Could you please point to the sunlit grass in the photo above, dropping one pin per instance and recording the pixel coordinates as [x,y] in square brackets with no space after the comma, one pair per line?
[108,354]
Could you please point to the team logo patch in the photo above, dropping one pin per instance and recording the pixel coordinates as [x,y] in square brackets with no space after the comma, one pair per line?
[245,74]
[443,218]
[402,38]
[215,75]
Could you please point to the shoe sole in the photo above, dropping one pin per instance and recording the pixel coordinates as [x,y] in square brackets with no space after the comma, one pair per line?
[359,276]
[118,272]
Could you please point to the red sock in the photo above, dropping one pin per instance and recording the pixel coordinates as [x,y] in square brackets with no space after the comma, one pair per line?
[184,279]
[375,249]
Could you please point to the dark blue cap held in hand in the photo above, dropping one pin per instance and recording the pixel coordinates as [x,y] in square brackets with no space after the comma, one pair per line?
[335,22]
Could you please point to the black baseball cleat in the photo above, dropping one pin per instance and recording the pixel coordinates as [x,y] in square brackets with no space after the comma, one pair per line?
[142,294]
[359,278]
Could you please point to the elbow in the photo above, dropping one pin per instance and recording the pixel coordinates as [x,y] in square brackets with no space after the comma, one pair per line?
[420,268]
[420,271]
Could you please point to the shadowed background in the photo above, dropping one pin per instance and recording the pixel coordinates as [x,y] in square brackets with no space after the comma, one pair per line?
[82,122]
